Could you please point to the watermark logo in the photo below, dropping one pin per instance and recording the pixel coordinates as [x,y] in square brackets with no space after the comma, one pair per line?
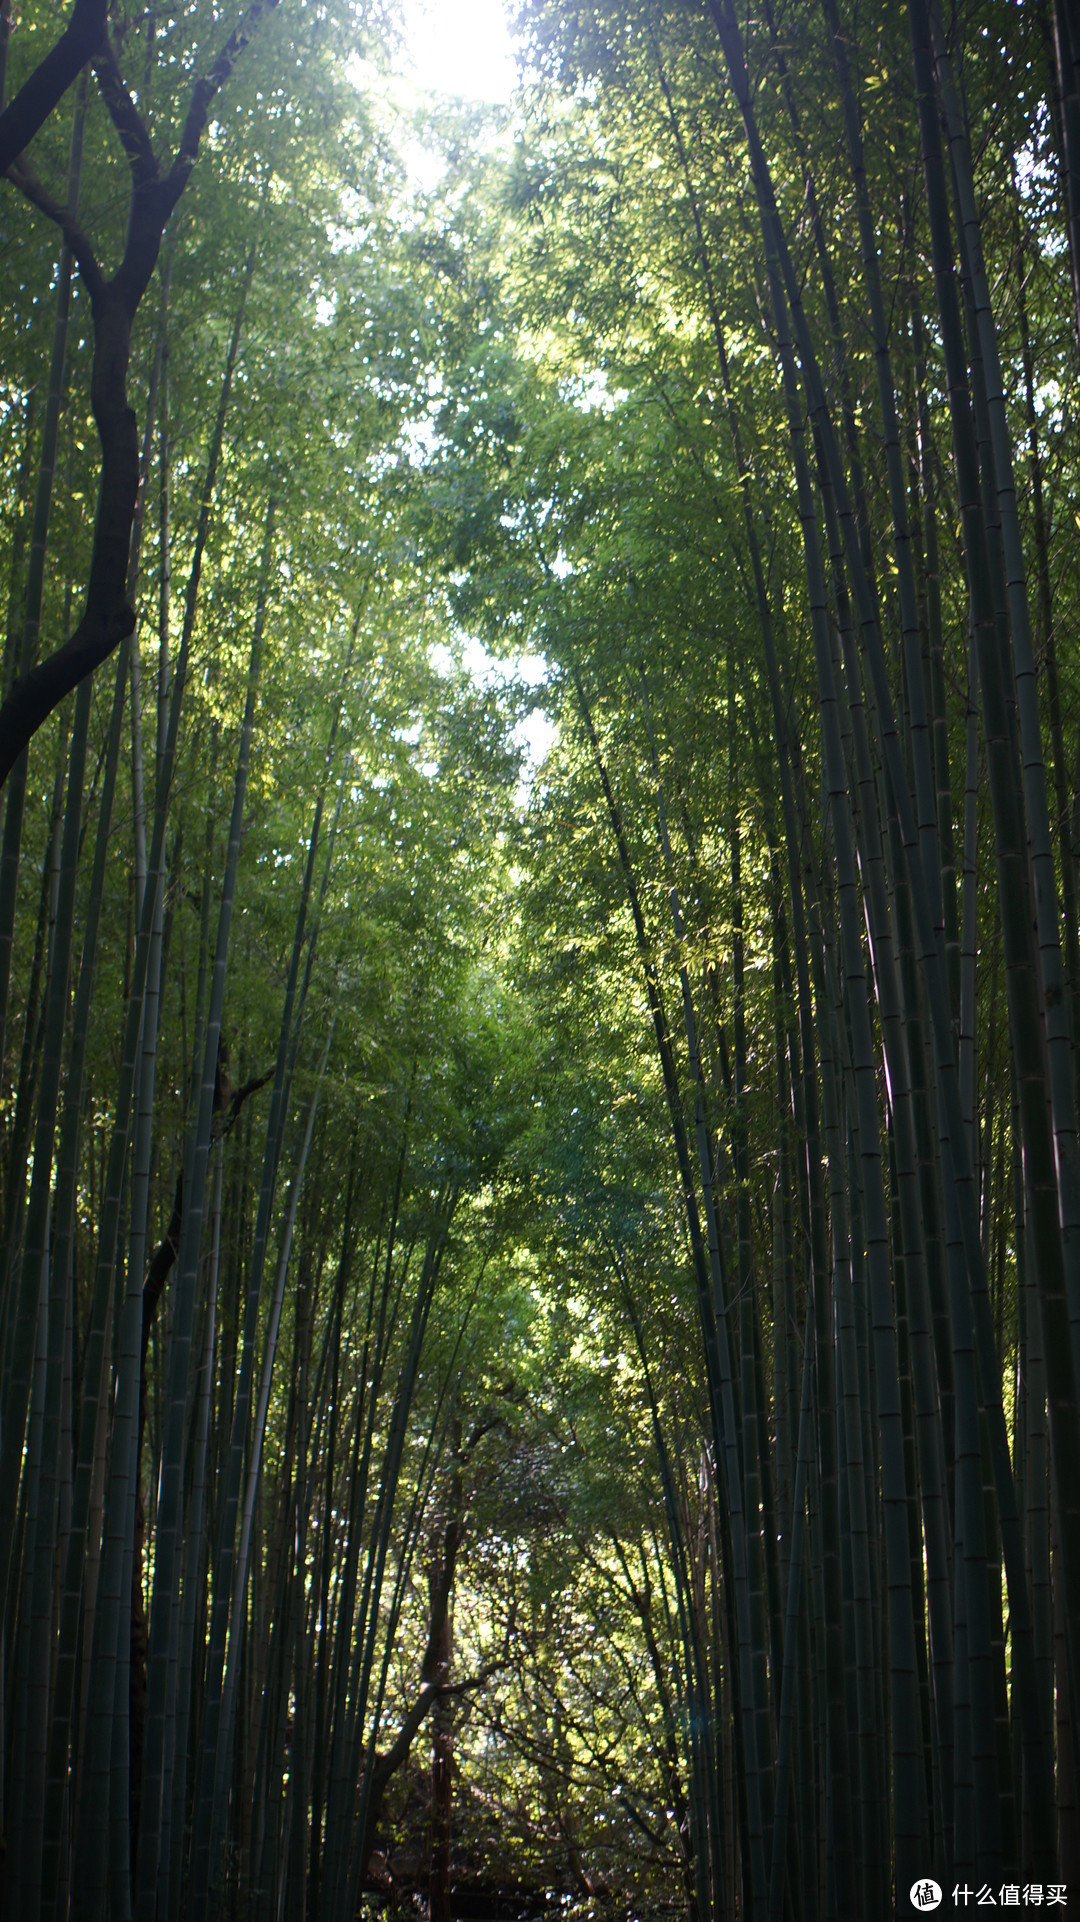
[925,1895]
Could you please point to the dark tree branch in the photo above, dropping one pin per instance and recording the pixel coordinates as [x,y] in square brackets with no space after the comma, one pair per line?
[50,79]
[394,1758]
[655,1836]
[238,1099]
[164,1255]
[481,1429]
[205,91]
[125,115]
[25,179]
[431,1688]
[34,695]
[107,618]
[157,1274]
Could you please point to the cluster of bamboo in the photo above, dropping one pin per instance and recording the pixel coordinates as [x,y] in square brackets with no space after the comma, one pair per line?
[895,1578]
[150,1763]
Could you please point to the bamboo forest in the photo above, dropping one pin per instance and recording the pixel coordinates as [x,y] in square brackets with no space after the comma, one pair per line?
[539,960]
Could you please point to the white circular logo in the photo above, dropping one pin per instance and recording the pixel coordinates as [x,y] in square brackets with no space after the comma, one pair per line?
[925,1895]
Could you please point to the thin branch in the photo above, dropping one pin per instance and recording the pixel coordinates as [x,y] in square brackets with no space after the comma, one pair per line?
[388,1764]
[25,179]
[204,92]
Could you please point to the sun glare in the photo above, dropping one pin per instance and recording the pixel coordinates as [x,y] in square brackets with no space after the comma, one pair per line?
[460,48]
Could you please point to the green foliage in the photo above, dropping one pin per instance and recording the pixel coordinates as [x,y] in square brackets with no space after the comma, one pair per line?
[583,1036]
